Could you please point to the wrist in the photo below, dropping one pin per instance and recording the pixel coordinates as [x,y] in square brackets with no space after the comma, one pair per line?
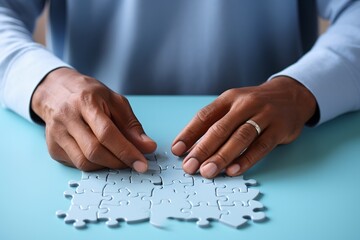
[44,91]
[303,98]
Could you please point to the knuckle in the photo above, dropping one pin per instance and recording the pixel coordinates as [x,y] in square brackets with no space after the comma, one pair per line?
[54,151]
[202,151]
[220,130]
[92,151]
[55,130]
[134,123]
[86,97]
[253,96]
[205,114]
[263,146]
[189,136]
[122,153]
[227,92]
[251,100]
[269,108]
[248,160]
[122,100]
[90,95]
[82,163]
[104,132]
[61,113]
[244,135]
[222,159]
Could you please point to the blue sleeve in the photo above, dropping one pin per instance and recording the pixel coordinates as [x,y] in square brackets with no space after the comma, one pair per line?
[23,63]
[331,69]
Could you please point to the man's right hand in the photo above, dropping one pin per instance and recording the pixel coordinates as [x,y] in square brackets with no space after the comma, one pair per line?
[88,126]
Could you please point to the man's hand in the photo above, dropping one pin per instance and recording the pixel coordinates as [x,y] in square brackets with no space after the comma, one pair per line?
[218,137]
[89,126]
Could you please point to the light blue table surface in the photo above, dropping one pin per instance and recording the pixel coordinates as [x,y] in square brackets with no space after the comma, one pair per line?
[311,188]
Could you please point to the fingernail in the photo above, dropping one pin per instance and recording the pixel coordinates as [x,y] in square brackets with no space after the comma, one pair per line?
[146,138]
[140,166]
[179,148]
[209,170]
[234,169]
[191,165]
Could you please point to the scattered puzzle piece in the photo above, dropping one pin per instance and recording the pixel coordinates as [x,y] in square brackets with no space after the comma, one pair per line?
[164,192]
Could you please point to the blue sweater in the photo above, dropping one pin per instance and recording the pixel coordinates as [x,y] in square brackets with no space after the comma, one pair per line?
[185,47]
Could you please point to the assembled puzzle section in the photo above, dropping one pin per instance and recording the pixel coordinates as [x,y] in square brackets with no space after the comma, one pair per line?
[164,191]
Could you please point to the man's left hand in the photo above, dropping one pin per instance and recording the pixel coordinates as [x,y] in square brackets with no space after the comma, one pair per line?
[219,137]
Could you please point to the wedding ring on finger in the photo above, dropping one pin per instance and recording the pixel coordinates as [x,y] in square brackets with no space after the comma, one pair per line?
[255,125]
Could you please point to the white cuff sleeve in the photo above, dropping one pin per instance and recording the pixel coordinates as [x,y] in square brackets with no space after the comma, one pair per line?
[24,74]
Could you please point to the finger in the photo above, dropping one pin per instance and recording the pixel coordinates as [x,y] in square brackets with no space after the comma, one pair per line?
[109,136]
[92,149]
[205,118]
[215,137]
[57,153]
[256,151]
[125,119]
[239,140]
[69,145]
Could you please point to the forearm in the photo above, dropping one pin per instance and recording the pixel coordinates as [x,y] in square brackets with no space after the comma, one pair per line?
[331,69]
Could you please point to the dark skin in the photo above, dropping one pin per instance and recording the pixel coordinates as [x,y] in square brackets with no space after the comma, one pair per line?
[90,127]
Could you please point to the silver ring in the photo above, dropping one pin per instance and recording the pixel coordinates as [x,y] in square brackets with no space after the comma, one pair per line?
[255,125]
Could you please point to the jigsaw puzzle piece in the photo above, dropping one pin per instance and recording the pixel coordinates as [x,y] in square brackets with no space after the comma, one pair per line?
[174,192]
[133,210]
[199,180]
[203,213]
[92,183]
[114,188]
[170,175]
[79,216]
[204,193]
[231,183]
[85,199]
[100,174]
[152,163]
[140,189]
[119,175]
[150,175]
[167,160]
[177,187]
[238,196]
[165,209]
[238,215]
[116,197]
